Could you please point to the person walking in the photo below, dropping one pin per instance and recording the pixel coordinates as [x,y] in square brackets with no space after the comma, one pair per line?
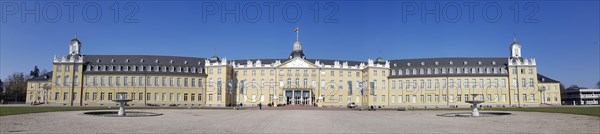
[260,106]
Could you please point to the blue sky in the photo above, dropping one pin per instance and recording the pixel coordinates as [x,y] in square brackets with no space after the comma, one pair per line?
[563,36]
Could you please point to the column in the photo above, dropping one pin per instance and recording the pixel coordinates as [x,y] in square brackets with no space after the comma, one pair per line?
[301,96]
[293,97]
[310,97]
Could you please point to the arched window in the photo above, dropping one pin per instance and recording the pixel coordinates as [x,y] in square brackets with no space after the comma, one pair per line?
[421,71]
[414,71]
[305,82]
[458,70]
[58,80]
[393,72]
[297,82]
[400,72]
[66,80]
[76,80]
[262,83]
[428,70]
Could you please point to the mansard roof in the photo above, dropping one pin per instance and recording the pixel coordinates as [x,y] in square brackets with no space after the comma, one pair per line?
[448,62]
[44,77]
[143,60]
[543,79]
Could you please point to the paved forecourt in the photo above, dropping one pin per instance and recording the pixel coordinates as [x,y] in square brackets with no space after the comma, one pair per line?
[297,121]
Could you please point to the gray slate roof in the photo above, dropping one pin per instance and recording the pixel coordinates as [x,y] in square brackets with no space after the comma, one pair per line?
[147,60]
[445,62]
[44,77]
[543,79]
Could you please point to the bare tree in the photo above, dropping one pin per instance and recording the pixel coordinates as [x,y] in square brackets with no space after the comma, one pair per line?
[17,84]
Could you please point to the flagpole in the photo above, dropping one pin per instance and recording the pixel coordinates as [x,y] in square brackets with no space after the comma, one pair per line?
[297,31]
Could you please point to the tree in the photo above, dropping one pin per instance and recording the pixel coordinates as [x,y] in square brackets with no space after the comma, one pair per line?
[1,85]
[17,83]
[35,72]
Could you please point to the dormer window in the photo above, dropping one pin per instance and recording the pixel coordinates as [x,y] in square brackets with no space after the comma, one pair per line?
[156,61]
[422,63]
[112,60]
[407,64]
[437,63]
[493,62]
[171,61]
[479,62]
[451,63]
[141,60]
[98,60]
[465,62]
[185,62]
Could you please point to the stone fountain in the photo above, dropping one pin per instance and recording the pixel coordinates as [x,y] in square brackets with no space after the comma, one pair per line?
[474,101]
[122,100]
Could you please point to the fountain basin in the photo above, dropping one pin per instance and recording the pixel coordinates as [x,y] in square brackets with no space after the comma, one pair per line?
[116,114]
[470,114]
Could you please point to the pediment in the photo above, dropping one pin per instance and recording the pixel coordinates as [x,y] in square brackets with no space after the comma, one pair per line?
[297,63]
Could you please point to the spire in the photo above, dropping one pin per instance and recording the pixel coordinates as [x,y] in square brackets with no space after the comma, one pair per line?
[296,31]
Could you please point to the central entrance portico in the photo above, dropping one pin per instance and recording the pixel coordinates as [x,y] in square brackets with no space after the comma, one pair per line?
[299,96]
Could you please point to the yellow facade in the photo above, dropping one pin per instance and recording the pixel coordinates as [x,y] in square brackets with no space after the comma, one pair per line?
[92,80]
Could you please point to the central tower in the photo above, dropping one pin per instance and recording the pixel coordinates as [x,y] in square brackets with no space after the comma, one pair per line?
[297,50]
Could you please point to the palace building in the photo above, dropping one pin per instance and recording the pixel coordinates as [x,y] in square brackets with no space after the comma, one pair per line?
[93,80]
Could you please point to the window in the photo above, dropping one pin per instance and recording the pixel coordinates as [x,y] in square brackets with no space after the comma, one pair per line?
[58,80]
[94,96]
[523,84]
[185,82]
[118,82]
[110,96]
[399,98]
[429,84]
[125,81]
[531,82]
[102,96]
[58,68]
[66,81]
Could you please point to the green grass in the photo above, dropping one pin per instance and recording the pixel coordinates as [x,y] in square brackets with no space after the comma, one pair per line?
[4,111]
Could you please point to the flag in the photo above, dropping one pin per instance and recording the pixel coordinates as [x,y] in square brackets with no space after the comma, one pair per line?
[296,30]
[349,87]
[229,87]
[242,87]
[360,86]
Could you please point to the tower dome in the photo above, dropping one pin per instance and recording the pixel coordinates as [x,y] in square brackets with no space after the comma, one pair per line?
[74,46]
[515,49]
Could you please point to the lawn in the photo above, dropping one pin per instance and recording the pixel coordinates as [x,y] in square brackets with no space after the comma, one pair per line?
[4,111]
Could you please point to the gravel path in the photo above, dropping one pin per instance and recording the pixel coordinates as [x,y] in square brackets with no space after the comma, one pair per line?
[298,121]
